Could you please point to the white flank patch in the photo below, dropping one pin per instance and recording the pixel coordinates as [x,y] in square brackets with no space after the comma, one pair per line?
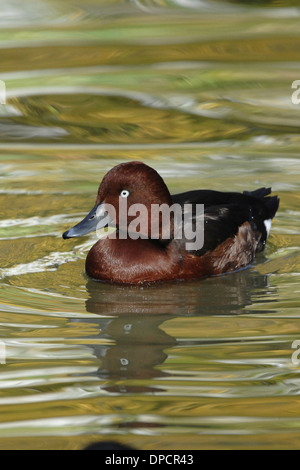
[268,223]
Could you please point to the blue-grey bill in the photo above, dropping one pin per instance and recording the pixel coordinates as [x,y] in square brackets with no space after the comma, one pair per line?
[96,219]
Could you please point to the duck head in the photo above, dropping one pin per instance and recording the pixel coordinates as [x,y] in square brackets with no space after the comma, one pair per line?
[125,198]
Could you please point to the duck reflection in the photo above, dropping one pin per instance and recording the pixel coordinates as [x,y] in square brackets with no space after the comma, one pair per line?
[133,342]
[137,346]
[230,294]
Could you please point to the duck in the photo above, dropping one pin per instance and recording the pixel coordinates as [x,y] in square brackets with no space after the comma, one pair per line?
[225,229]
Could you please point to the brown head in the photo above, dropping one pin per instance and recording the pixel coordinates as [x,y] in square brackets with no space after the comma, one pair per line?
[125,197]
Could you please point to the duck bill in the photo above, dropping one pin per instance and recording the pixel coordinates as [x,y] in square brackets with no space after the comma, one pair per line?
[96,219]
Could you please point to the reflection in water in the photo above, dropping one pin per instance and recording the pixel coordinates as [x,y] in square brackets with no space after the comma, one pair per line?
[134,341]
[137,348]
[234,295]
[201,90]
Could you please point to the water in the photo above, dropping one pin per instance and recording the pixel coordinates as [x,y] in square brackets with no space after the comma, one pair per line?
[201,91]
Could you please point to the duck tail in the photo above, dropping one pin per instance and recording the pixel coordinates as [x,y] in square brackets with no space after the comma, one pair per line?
[271,203]
[259,193]
[264,209]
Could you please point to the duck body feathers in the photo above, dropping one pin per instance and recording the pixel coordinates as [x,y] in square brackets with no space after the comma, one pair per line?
[226,212]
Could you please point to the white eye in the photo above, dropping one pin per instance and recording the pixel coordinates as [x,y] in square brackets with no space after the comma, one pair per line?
[124,193]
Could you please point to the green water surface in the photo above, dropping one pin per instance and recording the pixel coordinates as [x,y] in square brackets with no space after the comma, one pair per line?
[200,90]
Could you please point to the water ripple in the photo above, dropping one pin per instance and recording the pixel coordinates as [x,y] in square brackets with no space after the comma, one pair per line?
[200,90]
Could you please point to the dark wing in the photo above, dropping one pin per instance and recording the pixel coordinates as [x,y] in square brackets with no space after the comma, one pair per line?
[225,212]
